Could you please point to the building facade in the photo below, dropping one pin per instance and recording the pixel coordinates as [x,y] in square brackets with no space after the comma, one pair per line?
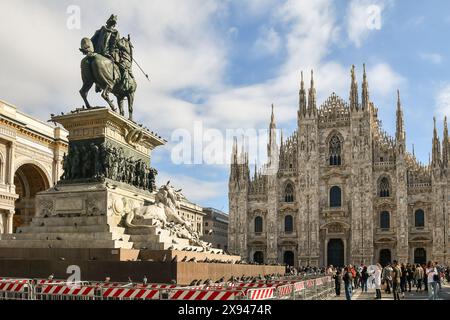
[341,190]
[193,213]
[31,153]
[215,226]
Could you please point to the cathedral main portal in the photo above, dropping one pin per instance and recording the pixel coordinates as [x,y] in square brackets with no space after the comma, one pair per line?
[335,252]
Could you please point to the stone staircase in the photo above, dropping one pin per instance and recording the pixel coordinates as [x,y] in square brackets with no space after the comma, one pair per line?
[69,232]
[155,238]
[93,232]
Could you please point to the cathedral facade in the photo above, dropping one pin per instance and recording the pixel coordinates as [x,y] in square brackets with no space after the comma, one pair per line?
[342,191]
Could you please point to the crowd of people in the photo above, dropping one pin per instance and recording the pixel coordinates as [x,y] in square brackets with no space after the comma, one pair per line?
[395,278]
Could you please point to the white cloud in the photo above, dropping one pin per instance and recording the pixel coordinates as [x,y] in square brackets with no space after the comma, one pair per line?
[384,81]
[269,42]
[434,58]
[364,17]
[443,101]
[195,190]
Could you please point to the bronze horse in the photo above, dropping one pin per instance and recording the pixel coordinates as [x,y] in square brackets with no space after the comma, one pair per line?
[106,74]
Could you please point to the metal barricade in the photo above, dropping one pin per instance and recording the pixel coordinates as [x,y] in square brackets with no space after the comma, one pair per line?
[67,292]
[205,294]
[16,290]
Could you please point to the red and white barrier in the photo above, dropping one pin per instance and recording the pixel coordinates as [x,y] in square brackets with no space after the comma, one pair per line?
[13,286]
[131,293]
[261,293]
[299,286]
[64,290]
[204,294]
[310,283]
[285,290]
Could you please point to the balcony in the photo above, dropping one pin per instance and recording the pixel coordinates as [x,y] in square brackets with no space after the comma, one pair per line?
[334,212]
[419,230]
[385,231]
[258,235]
[291,234]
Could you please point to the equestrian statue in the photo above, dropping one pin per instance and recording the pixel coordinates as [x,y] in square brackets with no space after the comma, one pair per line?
[108,64]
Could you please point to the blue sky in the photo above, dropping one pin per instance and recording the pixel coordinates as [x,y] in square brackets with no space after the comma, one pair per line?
[224,62]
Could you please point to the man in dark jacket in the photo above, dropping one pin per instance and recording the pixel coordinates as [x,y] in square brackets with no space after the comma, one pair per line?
[348,279]
[396,275]
[337,282]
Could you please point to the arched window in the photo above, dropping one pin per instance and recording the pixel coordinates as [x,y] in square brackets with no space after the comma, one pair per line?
[335,151]
[385,220]
[419,218]
[384,188]
[289,193]
[288,224]
[335,197]
[258,225]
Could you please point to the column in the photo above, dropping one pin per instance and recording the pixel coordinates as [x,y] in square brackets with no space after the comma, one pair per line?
[9,222]
[11,152]
[2,224]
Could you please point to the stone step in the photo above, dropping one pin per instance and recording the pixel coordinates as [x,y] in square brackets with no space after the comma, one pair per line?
[70,221]
[113,244]
[158,238]
[67,236]
[70,229]
[146,231]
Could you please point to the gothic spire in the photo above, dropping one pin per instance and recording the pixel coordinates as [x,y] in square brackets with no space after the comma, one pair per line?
[234,152]
[312,96]
[272,120]
[302,97]
[365,91]
[354,91]
[272,145]
[445,145]
[400,132]
[436,150]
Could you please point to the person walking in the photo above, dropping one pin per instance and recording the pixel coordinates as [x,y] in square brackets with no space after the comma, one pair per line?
[387,278]
[418,276]
[425,277]
[364,278]
[403,276]
[377,277]
[409,276]
[348,280]
[432,277]
[396,275]
[337,282]
[439,272]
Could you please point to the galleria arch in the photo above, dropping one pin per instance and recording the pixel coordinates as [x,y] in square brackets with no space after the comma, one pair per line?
[31,153]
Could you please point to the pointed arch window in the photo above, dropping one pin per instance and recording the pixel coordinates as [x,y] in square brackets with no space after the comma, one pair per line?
[288,224]
[289,193]
[419,218]
[258,225]
[384,188]
[385,220]
[335,197]
[335,151]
